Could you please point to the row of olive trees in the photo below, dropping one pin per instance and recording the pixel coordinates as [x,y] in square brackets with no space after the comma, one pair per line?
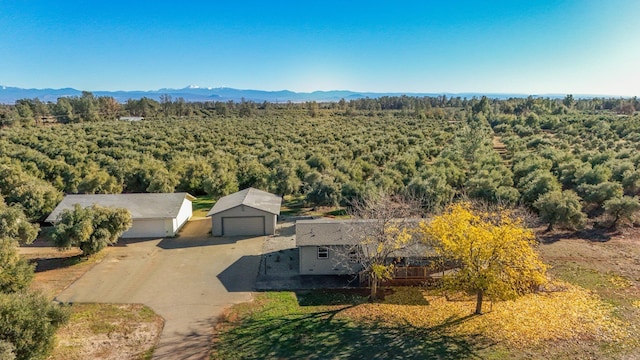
[580,165]
[330,161]
[220,156]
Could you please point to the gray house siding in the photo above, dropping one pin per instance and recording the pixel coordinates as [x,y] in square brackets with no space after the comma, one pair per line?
[336,262]
[341,239]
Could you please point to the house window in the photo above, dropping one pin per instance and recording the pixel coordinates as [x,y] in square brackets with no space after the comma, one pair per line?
[323,253]
[353,256]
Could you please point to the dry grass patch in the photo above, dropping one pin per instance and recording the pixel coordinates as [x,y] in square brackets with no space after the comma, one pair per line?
[108,331]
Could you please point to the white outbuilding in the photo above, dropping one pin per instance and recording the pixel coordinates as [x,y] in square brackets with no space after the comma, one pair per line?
[153,215]
[247,212]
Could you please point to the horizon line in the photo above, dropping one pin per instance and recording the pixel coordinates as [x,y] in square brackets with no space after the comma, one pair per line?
[409,93]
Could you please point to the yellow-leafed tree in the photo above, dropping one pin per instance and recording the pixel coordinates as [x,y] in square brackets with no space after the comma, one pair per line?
[494,253]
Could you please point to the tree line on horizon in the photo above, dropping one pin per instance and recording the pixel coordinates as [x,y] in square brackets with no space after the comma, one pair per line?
[90,108]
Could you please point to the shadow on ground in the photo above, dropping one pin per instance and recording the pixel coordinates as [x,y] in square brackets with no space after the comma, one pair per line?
[236,278]
[47,264]
[322,335]
[191,345]
[593,235]
[188,242]
[130,241]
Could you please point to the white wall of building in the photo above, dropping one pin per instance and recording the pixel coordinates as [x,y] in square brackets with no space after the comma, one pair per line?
[149,228]
[185,213]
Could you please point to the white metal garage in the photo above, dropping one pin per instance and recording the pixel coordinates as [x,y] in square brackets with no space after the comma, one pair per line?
[247,212]
[153,215]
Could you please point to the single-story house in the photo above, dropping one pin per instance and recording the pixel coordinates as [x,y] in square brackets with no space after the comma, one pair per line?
[247,212]
[324,247]
[332,247]
[153,215]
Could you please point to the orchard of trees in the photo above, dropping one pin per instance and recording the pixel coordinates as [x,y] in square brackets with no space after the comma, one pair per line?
[566,159]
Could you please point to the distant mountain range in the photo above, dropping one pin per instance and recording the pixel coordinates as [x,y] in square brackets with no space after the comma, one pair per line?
[8,95]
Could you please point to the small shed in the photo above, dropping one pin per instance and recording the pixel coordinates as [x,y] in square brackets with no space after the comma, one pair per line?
[153,215]
[247,212]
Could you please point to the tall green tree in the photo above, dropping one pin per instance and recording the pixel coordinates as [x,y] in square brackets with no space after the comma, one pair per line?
[15,225]
[622,209]
[323,192]
[15,271]
[560,208]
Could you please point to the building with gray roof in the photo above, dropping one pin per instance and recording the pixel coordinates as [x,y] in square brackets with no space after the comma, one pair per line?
[153,215]
[332,247]
[246,212]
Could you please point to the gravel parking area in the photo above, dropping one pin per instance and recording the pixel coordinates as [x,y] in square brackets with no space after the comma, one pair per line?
[279,264]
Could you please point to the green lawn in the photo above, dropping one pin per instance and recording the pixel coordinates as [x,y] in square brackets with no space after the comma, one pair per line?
[202,205]
[282,325]
[412,323]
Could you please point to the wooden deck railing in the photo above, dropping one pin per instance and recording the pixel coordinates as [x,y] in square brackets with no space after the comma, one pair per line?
[405,273]
[412,272]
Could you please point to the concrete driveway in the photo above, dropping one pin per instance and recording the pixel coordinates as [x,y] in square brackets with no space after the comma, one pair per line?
[187,280]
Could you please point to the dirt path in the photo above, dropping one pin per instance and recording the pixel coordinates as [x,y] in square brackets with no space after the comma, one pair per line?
[197,227]
[499,146]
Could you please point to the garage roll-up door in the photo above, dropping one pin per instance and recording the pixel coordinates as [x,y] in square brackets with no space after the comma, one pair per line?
[249,225]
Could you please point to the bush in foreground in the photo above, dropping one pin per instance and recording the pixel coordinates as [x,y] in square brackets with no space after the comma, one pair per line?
[28,323]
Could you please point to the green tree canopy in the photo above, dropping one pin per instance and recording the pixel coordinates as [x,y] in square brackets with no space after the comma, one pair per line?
[560,208]
[28,321]
[623,208]
[15,225]
[91,229]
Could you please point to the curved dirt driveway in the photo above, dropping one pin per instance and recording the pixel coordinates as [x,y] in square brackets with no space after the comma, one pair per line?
[188,280]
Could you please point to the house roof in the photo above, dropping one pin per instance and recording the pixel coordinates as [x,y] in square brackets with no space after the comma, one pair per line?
[329,232]
[141,206]
[251,197]
[324,232]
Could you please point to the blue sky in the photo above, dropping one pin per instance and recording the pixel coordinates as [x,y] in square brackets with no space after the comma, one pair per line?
[530,47]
